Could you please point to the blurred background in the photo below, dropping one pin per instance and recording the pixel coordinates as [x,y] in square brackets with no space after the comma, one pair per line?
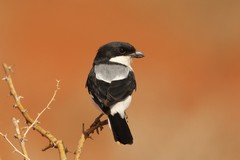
[187,102]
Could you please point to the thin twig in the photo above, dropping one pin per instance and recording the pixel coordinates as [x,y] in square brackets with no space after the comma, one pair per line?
[20,138]
[58,143]
[96,125]
[15,149]
[39,114]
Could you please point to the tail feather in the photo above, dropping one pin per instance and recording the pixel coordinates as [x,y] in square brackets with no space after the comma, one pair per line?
[120,129]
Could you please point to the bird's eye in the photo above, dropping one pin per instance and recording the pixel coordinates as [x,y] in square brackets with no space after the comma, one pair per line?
[122,50]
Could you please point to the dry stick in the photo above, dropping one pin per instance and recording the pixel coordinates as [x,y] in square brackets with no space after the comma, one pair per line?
[20,138]
[39,114]
[96,125]
[54,141]
[15,149]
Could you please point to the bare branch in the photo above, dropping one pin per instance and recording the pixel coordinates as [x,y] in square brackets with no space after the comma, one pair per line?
[39,114]
[20,138]
[95,126]
[58,143]
[15,149]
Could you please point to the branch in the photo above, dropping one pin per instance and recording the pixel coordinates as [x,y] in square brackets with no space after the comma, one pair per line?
[20,138]
[15,149]
[95,126]
[39,114]
[29,120]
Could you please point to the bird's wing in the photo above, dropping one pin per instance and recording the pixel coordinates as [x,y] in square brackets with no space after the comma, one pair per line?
[106,94]
[120,89]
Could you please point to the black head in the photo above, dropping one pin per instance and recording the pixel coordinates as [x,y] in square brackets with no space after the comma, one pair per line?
[114,49]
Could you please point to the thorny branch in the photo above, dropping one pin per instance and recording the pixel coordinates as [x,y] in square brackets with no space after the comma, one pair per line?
[95,126]
[29,120]
[47,107]
[20,138]
[15,149]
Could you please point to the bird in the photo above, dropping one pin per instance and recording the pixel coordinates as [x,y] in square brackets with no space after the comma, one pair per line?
[111,82]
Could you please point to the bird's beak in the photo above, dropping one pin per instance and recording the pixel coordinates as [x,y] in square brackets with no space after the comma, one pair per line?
[137,54]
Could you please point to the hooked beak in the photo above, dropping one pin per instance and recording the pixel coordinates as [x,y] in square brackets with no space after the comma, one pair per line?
[137,54]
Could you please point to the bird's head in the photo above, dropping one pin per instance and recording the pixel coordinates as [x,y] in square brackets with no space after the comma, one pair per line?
[117,52]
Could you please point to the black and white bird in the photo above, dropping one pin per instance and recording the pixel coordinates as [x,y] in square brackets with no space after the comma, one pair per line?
[111,82]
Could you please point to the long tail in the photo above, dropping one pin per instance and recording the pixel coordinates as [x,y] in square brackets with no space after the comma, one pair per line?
[120,129]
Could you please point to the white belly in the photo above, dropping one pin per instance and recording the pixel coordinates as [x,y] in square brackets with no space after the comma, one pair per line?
[120,107]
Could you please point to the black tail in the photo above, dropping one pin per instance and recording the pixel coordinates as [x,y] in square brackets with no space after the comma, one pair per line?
[120,129]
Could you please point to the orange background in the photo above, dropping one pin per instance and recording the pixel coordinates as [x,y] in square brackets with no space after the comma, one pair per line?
[187,103]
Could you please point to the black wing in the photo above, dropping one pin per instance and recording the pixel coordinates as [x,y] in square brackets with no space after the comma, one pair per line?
[107,94]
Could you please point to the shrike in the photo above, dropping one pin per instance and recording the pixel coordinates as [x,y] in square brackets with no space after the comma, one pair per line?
[111,82]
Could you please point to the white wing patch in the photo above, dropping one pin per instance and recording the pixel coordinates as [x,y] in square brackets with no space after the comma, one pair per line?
[111,72]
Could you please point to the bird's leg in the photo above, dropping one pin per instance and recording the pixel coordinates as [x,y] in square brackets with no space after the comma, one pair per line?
[96,125]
